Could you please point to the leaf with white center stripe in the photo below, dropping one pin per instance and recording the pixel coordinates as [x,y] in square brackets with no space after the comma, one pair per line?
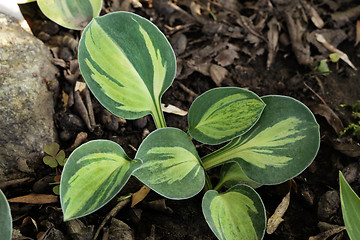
[93,174]
[5,218]
[280,146]
[222,114]
[128,64]
[171,165]
[239,213]
[73,14]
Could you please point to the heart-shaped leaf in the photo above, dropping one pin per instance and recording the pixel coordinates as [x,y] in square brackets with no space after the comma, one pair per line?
[52,149]
[50,161]
[222,114]
[171,165]
[93,174]
[128,64]
[239,213]
[5,218]
[280,146]
[73,14]
[232,174]
[350,207]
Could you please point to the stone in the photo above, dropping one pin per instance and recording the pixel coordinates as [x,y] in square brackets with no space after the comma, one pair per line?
[26,105]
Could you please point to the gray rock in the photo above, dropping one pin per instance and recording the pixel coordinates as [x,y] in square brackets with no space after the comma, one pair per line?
[26,105]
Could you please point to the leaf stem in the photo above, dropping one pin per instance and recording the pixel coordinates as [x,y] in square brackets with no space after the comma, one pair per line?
[219,157]
[158,116]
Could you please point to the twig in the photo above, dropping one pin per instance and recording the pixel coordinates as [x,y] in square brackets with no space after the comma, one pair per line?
[111,214]
[317,95]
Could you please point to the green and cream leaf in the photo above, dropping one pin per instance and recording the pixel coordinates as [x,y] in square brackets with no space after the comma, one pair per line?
[93,174]
[171,165]
[222,114]
[280,146]
[5,218]
[69,13]
[350,207]
[128,64]
[239,213]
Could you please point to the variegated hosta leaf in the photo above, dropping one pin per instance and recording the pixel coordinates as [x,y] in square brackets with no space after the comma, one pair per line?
[280,146]
[222,114]
[73,14]
[232,174]
[5,218]
[239,213]
[128,64]
[93,174]
[171,165]
[350,207]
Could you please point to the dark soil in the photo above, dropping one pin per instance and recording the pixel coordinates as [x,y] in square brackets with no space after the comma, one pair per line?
[247,70]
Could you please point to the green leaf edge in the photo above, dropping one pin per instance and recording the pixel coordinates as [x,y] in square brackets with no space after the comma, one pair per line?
[7,219]
[354,199]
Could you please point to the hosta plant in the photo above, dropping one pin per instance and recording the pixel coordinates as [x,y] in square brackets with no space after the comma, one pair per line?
[5,218]
[350,206]
[128,64]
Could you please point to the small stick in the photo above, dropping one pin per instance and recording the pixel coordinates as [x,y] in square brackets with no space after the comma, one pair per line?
[80,107]
[111,214]
[89,106]
[321,99]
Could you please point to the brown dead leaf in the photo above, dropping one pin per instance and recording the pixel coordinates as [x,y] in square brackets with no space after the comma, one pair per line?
[348,147]
[275,220]
[226,57]
[330,116]
[140,195]
[35,199]
[325,235]
[313,14]
[273,40]
[168,108]
[333,49]
[217,73]
[80,138]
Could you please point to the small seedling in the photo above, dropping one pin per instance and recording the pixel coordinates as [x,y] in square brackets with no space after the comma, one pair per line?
[5,218]
[350,206]
[353,128]
[128,64]
[54,159]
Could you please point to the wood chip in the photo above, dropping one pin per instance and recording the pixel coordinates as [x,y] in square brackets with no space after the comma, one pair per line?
[35,199]
[275,220]
[80,86]
[168,108]
[357,32]
[140,195]
[226,57]
[333,49]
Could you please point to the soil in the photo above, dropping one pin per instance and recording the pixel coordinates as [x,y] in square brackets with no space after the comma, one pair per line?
[246,69]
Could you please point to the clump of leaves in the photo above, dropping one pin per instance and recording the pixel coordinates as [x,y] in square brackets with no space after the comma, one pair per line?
[5,218]
[128,64]
[353,128]
[55,157]
[350,206]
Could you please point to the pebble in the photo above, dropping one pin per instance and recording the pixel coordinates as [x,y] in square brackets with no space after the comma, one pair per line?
[350,172]
[140,123]
[328,205]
